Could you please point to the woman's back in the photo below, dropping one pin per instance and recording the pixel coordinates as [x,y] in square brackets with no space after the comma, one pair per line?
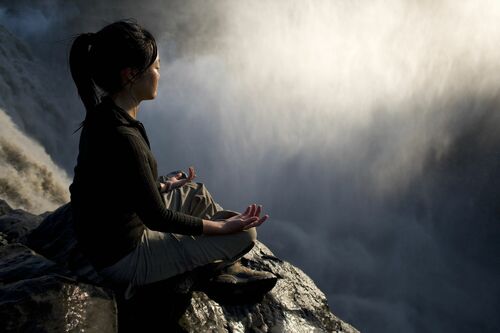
[102,192]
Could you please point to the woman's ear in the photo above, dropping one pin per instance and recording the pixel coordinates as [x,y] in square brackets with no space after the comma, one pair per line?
[127,74]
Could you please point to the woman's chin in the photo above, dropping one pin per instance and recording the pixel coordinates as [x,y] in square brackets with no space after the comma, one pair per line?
[151,97]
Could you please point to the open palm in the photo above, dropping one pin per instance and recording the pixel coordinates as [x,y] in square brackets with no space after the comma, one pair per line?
[250,218]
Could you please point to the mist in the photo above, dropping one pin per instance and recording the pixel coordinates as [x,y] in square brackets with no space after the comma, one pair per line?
[368,131]
[29,179]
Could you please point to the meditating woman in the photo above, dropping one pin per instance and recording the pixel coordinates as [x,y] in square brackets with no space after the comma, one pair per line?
[133,228]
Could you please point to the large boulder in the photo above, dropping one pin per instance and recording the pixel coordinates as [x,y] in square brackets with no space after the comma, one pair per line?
[45,290]
[37,295]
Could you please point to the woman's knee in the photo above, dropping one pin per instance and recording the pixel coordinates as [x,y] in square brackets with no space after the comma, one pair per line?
[251,235]
[196,200]
[243,241]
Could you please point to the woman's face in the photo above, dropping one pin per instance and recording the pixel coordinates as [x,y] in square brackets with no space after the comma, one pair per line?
[146,85]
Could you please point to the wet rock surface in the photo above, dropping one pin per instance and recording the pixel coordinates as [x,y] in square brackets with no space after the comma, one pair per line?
[294,305]
[49,293]
[52,303]
[37,295]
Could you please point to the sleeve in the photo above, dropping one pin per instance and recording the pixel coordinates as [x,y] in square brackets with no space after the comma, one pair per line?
[149,203]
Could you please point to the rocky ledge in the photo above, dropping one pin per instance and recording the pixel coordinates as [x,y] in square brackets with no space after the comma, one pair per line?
[46,291]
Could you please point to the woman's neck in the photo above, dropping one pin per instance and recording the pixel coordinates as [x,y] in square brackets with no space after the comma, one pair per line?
[127,102]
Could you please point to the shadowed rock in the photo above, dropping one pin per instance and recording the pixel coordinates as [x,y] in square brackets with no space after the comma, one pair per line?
[16,224]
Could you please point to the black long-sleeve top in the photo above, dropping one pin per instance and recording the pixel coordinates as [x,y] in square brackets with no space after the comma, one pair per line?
[115,193]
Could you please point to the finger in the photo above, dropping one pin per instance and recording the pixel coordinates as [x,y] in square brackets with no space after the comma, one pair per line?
[253,209]
[257,223]
[247,211]
[258,210]
[191,173]
[262,220]
[249,221]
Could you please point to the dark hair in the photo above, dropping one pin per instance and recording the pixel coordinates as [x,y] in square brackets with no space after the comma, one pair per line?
[96,59]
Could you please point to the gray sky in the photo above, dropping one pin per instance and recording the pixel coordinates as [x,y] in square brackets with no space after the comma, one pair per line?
[367,129]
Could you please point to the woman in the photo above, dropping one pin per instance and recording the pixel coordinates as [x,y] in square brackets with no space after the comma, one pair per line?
[134,229]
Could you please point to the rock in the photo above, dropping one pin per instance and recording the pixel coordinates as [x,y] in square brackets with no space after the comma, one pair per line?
[55,238]
[3,239]
[17,260]
[294,305]
[37,295]
[68,295]
[16,224]
[53,303]
[4,207]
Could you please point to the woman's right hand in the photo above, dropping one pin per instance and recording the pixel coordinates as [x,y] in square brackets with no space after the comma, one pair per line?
[250,218]
[177,181]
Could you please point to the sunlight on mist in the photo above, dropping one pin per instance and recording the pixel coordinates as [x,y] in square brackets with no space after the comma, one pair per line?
[346,58]
[312,77]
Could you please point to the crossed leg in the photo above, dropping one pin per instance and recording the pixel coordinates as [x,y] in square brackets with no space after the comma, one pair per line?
[160,255]
[169,254]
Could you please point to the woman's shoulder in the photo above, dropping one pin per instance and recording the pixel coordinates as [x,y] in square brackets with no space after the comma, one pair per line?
[107,130]
[127,133]
[111,120]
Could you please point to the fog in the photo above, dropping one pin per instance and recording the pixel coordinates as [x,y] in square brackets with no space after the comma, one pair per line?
[367,129]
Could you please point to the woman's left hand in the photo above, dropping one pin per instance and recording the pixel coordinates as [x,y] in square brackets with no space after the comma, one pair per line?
[176,181]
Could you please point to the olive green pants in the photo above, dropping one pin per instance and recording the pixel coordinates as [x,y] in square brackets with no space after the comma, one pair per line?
[160,255]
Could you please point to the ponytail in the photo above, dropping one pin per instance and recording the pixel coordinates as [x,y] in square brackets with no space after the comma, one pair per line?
[80,64]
